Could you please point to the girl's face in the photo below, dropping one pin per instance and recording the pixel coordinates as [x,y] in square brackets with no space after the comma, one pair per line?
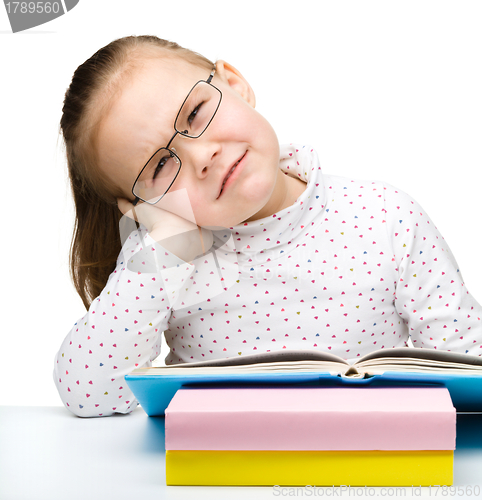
[141,120]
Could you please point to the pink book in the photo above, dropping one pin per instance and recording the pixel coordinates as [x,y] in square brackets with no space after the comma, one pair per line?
[345,418]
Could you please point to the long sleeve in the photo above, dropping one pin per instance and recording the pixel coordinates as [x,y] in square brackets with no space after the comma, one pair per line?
[431,296]
[120,331]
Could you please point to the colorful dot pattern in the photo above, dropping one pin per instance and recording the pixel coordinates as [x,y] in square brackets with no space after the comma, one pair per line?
[352,267]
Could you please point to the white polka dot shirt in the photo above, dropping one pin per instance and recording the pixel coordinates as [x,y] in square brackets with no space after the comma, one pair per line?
[352,267]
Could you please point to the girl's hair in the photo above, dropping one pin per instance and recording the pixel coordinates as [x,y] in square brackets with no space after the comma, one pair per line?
[96,240]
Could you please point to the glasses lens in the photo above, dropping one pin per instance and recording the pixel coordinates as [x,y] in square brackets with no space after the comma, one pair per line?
[198,110]
[157,176]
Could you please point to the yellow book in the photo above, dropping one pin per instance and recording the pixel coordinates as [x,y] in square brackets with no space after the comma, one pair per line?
[316,468]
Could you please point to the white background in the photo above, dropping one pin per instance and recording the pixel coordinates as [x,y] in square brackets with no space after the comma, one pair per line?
[383,90]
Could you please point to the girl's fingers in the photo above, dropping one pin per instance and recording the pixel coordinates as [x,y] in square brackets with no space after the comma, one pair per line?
[180,236]
[159,222]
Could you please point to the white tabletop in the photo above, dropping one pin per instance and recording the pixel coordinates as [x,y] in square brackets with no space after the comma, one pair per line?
[48,453]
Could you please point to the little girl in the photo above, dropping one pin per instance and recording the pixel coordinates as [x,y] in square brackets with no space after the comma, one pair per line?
[309,261]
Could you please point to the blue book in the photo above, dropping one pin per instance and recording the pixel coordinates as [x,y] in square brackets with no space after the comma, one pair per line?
[461,374]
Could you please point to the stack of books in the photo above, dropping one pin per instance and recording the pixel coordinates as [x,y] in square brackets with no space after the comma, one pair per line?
[287,436]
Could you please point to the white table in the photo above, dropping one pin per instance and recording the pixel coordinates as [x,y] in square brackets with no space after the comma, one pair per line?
[46,453]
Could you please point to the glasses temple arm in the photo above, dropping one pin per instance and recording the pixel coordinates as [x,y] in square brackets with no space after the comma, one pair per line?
[211,75]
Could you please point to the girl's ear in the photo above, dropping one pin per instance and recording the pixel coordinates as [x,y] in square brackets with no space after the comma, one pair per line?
[236,81]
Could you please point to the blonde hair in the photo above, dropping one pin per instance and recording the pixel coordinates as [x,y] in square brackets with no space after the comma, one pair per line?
[95,241]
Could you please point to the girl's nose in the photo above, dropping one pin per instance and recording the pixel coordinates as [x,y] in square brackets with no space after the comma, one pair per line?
[202,155]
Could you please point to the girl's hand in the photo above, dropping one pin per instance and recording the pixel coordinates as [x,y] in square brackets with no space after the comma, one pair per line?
[182,237]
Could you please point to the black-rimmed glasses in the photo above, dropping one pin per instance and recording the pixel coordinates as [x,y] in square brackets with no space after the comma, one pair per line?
[192,120]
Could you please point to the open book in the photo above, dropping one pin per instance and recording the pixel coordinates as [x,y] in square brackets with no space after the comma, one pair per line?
[460,373]
[398,359]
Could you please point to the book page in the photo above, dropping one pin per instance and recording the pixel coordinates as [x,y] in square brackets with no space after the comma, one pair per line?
[286,355]
[415,365]
[418,356]
[186,369]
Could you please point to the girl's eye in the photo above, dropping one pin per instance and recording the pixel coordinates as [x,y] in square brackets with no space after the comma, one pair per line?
[161,164]
[194,112]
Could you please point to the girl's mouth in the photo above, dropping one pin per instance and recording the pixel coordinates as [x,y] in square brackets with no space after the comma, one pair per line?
[229,174]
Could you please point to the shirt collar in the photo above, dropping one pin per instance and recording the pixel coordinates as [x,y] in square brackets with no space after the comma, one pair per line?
[279,232]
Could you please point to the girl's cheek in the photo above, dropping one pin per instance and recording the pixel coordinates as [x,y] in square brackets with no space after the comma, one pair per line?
[237,119]
[198,207]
